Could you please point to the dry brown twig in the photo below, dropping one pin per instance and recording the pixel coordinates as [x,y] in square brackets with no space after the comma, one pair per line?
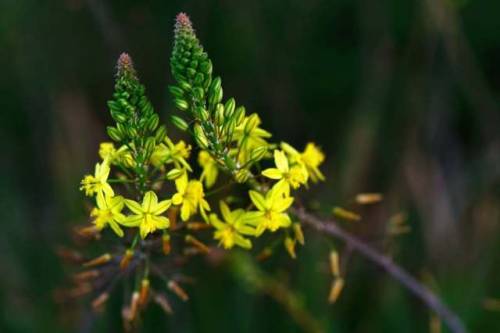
[330,227]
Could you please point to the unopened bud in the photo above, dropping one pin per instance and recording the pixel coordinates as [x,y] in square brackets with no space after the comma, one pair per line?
[181,104]
[162,301]
[258,153]
[176,91]
[174,174]
[242,175]
[239,114]
[179,123]
[219,114]
[200,137]
[229,107]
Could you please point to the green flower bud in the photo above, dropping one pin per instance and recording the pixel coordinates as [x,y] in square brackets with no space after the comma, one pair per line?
[176,91]
[179,123]
[258,153]
[181,104]
[150,145]
[201,113]
[242,175]
[229,107]
[174,174]
[239,115]
[161,133]
[200,137]
[113,133]
[153,122]
[219,114]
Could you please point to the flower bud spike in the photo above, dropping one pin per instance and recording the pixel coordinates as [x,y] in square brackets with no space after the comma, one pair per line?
[125,66]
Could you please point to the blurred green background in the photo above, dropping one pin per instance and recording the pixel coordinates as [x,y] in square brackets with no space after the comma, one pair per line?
[403,96]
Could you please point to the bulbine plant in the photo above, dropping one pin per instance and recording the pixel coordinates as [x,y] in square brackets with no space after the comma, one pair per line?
[157,202]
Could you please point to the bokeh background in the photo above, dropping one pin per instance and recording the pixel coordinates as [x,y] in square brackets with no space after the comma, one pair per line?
[403,96]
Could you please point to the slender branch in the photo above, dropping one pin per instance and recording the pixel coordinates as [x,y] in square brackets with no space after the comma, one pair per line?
[330,227]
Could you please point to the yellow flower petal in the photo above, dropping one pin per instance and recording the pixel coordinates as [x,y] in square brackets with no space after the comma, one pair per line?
[258,200]
[281,161]
[272,173]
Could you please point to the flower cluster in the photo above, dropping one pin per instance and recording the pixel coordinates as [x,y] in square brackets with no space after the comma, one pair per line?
[150,190]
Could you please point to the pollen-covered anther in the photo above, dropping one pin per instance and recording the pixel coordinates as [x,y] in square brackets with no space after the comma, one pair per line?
[265,254]
[163,302]
[144,292]
[335,290]
[70,256]
[98,303]
[86,275]
[127,257]
[177,289]
[101,260]
[368,198]
[165,244]
[334,263]
[87,232]
[196,243]
[198,226]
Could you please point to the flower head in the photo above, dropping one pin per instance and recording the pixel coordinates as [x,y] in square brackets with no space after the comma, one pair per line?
[98,182]
[249,136]
[108,212]
[147,216]
[287,176]
[271,210]
[312,158]
[190,196]
[171,153]
[230,232]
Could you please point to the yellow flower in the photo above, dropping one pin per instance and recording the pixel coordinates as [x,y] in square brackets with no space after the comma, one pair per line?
[249,136]
[287,176]
[147,216]
[271,213]
[210,169]
[107,151]
[108,212]
[98,182]
[171,153]
[191,196]
[312,158]
[231,231]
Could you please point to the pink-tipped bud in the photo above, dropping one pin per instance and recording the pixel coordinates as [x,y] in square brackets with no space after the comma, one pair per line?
[125,65]
[183,23]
